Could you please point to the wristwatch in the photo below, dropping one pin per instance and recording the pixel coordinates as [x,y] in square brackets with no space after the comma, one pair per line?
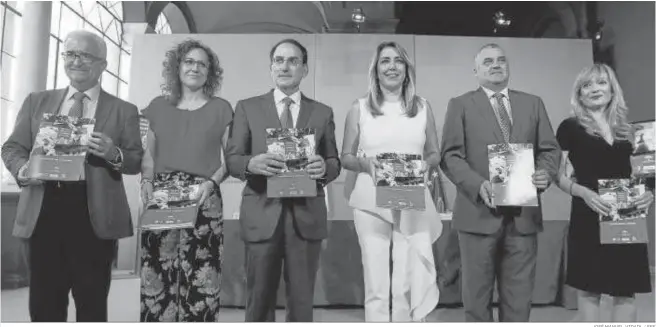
[117,160]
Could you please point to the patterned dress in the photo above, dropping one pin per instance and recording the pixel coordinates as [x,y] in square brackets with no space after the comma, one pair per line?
[181,269]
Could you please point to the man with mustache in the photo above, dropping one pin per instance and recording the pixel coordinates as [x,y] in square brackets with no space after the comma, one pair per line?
[494,242]
[281,231]
[73,227]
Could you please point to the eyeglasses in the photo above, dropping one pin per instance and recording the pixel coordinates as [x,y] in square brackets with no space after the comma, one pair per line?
[191,63]
[85,57]
[293,61]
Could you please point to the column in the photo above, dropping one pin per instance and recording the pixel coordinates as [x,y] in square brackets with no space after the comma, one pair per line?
[33,43]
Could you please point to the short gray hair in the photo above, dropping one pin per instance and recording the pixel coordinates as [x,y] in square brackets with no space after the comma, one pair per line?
[487,46]
[100,43]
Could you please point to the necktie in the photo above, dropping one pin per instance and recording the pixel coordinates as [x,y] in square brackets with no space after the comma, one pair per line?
[77,108]
[286,119]
[502,115]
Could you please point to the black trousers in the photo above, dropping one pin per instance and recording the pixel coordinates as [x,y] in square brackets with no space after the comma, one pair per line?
[286,253]
[65,255]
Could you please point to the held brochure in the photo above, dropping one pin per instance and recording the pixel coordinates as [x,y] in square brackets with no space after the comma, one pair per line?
[400,184]
[642,159]
[60,148]
[174,203]
[625,223]
[511,169]
[295,145]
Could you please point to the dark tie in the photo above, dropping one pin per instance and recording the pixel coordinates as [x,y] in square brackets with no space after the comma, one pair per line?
[502,115]
[286,119]
[77,108]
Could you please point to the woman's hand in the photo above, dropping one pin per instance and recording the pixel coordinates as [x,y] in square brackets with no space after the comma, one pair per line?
[205,190]
[644,201]
[595,202]
[373,164]
[146,191]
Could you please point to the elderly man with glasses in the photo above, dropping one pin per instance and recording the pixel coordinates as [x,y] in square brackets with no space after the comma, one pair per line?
[73,226]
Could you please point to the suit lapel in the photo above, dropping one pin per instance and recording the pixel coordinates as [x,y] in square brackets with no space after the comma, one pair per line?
[103,110]
[270,111]
[518,114]
[304,113]
[485,108]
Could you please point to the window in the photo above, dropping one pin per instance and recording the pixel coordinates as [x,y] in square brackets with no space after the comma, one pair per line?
[104,18]
[162,26]
[10,19]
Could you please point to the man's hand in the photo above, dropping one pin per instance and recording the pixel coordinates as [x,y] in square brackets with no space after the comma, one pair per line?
[541,179]
[644,201]
[486,192]
[22,178]
[316,166]
[266,164]
[102,146]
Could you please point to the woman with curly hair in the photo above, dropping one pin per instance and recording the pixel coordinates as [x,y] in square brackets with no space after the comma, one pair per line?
[598,140]
[181,268]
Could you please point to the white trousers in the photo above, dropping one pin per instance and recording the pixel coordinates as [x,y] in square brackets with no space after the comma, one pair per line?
[375,237]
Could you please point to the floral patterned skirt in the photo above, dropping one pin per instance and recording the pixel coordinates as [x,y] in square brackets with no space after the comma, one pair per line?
[181,269]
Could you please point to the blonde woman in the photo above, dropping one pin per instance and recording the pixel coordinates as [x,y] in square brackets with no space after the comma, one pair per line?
[598,139]
[392,118]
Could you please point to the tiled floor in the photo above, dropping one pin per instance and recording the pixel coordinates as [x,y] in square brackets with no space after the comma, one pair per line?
[124,307]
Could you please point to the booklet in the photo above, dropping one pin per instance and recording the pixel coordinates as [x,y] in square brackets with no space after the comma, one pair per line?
[642,159]
[174,203]
[296,145]
[625,223]
[60,148]
[400,184]
[511,167]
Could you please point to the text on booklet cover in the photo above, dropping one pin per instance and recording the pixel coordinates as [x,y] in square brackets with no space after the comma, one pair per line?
[625,223]
[511,167]
[400,184]
[60,148]
[174,203]
[295,145]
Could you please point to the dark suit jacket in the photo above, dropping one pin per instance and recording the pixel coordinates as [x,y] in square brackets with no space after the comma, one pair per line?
[108,205]
[258,214]
[470,125]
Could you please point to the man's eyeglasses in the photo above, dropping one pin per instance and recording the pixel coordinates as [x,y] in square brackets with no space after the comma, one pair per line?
[191,63]
[86,58]
[293,61]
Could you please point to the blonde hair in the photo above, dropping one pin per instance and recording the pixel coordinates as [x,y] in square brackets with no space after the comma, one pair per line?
[408,91]
[616,110]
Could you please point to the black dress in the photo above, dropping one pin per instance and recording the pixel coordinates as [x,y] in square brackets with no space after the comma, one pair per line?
[614,269]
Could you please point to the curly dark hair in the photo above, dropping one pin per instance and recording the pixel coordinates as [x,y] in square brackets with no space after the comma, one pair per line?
[172,87]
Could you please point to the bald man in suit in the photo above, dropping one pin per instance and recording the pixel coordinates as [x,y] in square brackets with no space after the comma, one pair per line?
[495,242]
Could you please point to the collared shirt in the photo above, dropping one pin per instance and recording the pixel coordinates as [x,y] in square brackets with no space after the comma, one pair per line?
[295,107]
[506,100]
[89,104]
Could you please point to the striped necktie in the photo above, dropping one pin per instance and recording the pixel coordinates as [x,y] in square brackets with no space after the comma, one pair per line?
[503,117]
[78,105]
[286,120]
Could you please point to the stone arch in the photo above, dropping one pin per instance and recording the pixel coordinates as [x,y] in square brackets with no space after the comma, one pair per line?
[156,7]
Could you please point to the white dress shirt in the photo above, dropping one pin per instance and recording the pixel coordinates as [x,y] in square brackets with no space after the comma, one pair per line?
[493,101]
[89,104]
[295,107]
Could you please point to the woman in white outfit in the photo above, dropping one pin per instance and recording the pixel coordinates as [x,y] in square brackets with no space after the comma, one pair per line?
[392,118]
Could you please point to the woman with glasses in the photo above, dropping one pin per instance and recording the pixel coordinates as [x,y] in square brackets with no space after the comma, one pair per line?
[393,118]
[181,268]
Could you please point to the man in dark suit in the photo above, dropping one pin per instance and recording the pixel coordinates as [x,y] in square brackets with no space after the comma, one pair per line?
[73,227]
[281,230]
[495,242]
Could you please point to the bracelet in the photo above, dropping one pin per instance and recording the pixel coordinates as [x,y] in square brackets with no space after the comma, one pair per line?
[570,188]
[146,180]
